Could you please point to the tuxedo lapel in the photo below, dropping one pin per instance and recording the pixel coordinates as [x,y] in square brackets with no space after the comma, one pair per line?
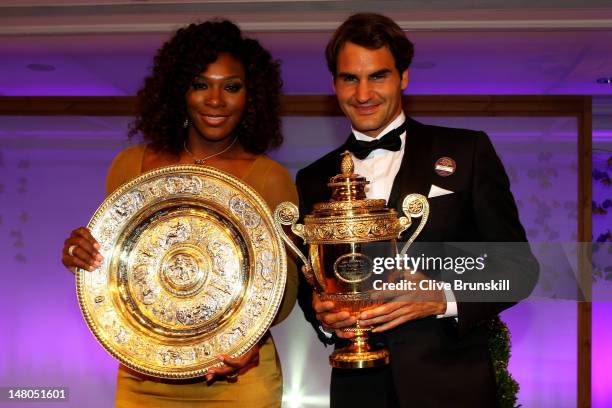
[341,149]
[414,175]
[330,166]
[333,166]
[313,185]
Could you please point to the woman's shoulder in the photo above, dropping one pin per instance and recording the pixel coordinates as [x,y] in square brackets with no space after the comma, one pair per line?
[126,165]
[271,167]
[129,154]
[277,181]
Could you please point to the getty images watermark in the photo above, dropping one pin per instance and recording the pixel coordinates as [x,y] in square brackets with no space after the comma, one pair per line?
[409,265]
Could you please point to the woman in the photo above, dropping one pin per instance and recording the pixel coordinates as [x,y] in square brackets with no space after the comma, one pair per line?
[213,98]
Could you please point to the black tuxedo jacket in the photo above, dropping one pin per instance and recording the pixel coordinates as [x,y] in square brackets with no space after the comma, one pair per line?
[443,362]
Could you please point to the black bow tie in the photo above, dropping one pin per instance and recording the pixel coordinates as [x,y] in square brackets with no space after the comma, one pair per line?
[390,141]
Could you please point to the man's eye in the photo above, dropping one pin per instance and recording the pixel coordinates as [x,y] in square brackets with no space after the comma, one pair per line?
[378,77]
[349,79]
[199,85]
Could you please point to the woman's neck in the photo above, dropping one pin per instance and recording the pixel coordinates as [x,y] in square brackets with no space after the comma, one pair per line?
[199,147]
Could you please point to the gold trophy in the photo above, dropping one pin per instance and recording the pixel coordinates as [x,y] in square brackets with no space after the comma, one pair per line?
[343,235]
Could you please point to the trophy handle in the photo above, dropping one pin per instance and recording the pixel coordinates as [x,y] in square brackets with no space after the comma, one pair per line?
[414,206]
[286,213]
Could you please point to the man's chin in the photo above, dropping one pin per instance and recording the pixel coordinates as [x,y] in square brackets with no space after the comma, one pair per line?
[367,129]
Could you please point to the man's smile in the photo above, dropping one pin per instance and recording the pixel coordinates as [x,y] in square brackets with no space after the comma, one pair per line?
[368,109]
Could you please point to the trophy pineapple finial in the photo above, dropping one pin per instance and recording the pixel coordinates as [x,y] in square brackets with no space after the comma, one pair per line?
[346,166]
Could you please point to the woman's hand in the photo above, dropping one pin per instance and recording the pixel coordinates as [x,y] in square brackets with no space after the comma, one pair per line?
[81,251]
[232,367]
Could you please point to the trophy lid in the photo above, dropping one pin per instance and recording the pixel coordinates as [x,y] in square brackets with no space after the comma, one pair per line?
[348,186]
[349,216]
[348,193]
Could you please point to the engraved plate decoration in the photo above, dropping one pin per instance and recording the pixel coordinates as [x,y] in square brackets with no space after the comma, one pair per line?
[193,268]
[342,236]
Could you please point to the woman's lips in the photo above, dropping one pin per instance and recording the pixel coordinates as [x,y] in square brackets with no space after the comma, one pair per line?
[213,120]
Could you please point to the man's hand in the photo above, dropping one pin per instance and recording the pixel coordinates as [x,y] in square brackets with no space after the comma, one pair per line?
[396,312]
[332,321]
[404,306]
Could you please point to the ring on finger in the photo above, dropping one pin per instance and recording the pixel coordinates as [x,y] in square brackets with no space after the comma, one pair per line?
[232,376]
[71,249]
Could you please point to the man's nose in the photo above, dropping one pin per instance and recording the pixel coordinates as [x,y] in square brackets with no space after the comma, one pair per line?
[363,92]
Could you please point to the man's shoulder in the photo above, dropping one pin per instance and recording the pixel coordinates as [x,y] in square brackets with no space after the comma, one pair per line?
[445,132]
[447,140]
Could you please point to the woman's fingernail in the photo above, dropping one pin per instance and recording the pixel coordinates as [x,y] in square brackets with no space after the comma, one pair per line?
[96,245]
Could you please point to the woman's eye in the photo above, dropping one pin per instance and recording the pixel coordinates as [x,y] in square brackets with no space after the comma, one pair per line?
[233,88]
[199,85]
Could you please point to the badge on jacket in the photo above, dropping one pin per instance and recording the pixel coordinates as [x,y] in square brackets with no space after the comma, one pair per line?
[445,166]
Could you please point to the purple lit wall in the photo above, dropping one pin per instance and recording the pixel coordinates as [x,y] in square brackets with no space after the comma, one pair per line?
[602,309]
[50,182]
[52,173]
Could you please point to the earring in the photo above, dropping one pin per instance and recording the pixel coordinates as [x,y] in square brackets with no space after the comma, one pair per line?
[186,123]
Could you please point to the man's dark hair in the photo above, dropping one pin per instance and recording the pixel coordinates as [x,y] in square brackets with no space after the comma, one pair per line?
[371,31]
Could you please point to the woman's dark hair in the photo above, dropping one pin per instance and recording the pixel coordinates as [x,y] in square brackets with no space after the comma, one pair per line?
[371,31]
[161,107]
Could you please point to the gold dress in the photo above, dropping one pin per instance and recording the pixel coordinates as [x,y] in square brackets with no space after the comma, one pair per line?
[260,386]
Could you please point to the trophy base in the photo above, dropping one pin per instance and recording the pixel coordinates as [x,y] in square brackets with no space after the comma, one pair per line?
[359,354]
[350,359]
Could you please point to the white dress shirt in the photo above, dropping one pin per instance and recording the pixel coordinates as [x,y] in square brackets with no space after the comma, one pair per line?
[380,167]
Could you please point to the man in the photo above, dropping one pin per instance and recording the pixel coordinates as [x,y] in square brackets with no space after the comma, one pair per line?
[439,354]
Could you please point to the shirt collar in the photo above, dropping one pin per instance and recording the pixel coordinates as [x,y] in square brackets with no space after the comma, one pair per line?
[394,124]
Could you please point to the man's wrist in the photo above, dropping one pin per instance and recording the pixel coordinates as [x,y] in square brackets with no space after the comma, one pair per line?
[450,305]
[442,308]
[326,333]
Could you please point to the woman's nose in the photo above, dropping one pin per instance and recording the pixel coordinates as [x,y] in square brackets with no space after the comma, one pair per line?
[214,97]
